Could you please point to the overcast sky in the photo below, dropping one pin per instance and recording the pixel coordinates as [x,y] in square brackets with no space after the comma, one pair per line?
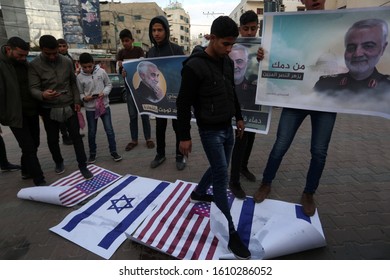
[198,9]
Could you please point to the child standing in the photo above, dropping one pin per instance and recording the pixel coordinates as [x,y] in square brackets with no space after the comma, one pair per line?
[130,52]
[95,86]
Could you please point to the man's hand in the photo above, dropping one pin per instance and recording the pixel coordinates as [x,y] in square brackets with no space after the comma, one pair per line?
[240,128]
[185,147]
[260,54]
[50,94]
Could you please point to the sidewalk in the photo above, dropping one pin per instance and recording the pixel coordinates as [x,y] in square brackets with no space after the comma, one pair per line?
[353,198]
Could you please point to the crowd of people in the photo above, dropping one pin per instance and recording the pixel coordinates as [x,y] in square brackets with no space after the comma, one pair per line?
[48,87]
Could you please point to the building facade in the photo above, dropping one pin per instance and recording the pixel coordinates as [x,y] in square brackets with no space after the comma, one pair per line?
[136,17]
[179,24]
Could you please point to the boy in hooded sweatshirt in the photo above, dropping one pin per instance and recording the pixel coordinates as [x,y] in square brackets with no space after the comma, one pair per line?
[159,36]
[95,86]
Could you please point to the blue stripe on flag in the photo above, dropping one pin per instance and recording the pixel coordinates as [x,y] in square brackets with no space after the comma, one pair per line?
[88,212]
[244,226]
[300,215]
[133,215]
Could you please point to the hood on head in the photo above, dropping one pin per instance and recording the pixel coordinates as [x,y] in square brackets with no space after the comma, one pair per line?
[163,20]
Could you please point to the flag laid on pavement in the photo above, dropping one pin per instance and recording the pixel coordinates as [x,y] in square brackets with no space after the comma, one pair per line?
[178,227]
[100,225]
[270,229]
[190,231]
[72,189]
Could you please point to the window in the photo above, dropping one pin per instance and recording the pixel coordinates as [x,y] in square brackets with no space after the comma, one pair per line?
[105,23]
[260,11]
[137,17]
[121,18]
[138,31]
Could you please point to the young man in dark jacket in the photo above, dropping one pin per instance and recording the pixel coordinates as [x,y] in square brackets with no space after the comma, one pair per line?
[208,86]
[19,110]
[53,82]
[159,36]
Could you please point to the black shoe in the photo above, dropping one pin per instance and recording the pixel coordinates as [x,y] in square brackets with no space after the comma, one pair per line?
[157,161]
[249,175]
[86,173]
[180,162]
[116,157]
[66,140]
[92,158]
[195,197]
[60,168]
[10,167]
[238,248]
[237,190]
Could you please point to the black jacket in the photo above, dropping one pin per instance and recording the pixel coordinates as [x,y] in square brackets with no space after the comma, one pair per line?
[208,86]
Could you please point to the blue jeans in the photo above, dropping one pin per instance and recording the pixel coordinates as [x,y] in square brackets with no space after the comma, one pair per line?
[218,146]
[107,124]
[290,120]
[133,115]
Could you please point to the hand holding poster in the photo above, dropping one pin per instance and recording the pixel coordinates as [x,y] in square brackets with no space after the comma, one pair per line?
[340,63]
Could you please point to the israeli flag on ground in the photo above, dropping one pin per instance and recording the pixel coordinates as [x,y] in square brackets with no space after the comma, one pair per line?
[270,229]
[100,225]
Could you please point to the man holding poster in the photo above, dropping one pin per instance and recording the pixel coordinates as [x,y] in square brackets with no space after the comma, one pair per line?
[289,123]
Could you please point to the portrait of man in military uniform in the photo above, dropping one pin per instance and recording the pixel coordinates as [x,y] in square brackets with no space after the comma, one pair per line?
[365,43]
[246,90]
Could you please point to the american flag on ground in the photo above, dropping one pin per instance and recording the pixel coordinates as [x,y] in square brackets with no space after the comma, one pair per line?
[82,189]
[72,189]
[178,227]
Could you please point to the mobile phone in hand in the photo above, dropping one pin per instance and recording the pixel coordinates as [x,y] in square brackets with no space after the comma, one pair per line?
[63,91]
[96,95]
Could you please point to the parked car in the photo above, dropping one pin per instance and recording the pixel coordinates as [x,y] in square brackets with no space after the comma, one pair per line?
[118,92]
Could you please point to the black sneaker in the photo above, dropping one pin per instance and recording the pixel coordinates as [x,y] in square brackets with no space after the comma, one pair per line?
[237,190]
[10,167]
[239,250]
[92,158]
[180,162]
[116,157]
[195,197]
[60,168]
[157,161]
[86,173]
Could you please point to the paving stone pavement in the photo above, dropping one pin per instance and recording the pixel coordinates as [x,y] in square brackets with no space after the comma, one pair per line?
[353,196]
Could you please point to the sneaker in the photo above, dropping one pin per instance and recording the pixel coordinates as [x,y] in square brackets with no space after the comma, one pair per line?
[116,157]
[180,162]
[9,167]
[262,193]
[195,197]
[237,190]
[157,161]
[239,250]
[86,173]
[60,168]
[308,204]
[92,158]
[249,175]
